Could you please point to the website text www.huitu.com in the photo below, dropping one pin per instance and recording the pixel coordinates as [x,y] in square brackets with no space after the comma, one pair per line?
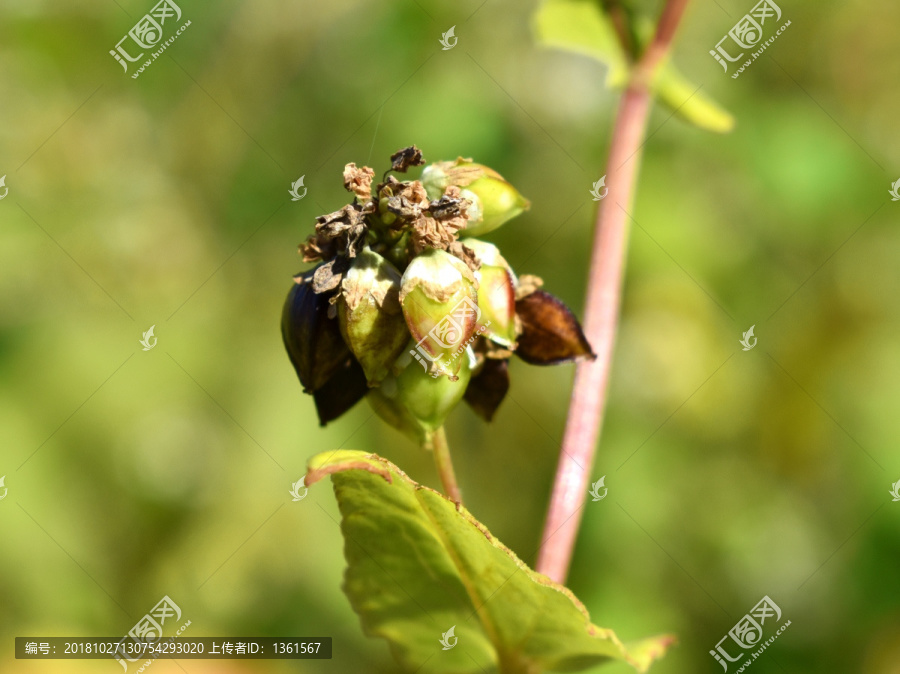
[158,52]
[767,643]
[756,54]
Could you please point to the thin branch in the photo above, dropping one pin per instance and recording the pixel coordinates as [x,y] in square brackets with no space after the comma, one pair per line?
[662,40]
[441,450]
[604,294]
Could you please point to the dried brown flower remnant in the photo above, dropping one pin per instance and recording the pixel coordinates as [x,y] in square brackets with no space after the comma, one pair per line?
[405,200]
[451,208]
[466,254]
[528,283]
[346,228]
[427,232]
[492,199]
[317,248]
[403,311]
[328,276]
[359,181]
[438,226]
[403,159]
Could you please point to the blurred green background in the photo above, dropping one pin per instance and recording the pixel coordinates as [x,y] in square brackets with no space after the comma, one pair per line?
[163,201]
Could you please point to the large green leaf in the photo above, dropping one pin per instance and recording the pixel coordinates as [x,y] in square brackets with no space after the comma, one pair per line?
[419,564]
[583,27]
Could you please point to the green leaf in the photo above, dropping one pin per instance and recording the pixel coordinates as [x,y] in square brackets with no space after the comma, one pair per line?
[418,565]
[582,27]
[688,102]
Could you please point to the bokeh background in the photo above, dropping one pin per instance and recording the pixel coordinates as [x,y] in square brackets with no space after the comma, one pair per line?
[163,201]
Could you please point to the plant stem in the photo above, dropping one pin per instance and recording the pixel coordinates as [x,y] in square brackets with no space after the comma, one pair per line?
[442,460]
[604,293]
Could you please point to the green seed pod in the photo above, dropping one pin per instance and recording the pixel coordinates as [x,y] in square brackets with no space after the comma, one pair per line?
[496,294]
[492,199]
[417,402]
[439,296]
[371,319]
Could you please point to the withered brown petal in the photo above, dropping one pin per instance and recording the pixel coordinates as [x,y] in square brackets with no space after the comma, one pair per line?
[447,207]
[460,250]
[430,233]
[550,332]
[406,200]
[313,341]
[528,283]
[316,248]
[333,225]
[356,239]
[488,388]
[358,180]
[438,226]
[344,229]
[403,159]
[345,388]
[328,276]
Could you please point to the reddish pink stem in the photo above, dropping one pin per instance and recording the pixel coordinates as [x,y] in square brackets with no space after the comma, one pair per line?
[604,293]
